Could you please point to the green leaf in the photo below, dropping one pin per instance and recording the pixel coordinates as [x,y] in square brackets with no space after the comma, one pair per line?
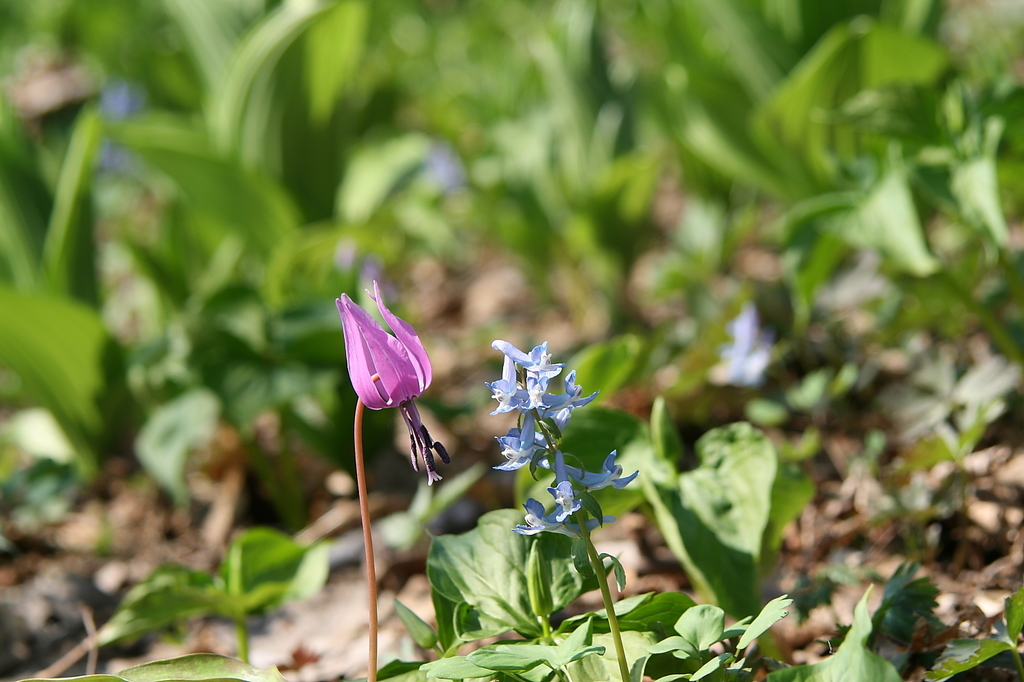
[620,572]
[170,595]
[334,45]
[711,666]
[772,613]
[454,668]
[668,447]
[510,658]
[67,379]
[200,668]
[606,667]
[887,221]
[264,568]
[1014,612]
[190,668]
[463,569]
[963,654]
[905,602]
[375,172]
[674,644]
[69,253]
[701,626]
[792,490]
[421,633]
[581,558]
[852,661]
[173,431]
[538,582]
[240,109]
[976,189]
[607,366]
[714,518]
[222,197]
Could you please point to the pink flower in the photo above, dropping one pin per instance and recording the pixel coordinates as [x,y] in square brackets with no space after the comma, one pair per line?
[390,371]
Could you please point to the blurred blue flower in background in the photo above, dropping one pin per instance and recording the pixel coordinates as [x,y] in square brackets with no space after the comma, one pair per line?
[749,353]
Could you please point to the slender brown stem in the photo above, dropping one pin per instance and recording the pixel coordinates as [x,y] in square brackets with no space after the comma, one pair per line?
[371,573]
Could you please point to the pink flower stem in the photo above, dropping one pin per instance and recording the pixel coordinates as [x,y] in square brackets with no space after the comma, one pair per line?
[364,516]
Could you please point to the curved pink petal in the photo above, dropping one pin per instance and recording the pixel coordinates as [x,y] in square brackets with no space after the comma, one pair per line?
[372,351]
[408,338]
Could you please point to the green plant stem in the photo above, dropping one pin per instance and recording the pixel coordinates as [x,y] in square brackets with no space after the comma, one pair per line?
[992,325]
[606,595]
[1018,663]
[242,635]
[364,517]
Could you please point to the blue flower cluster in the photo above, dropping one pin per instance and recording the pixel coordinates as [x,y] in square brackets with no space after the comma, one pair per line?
[523,387]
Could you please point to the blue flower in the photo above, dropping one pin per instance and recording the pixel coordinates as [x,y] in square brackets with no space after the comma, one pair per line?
[538,362]
[537,522]
[611,475]
[565,501]
[506,390]
[571,399]
[518,445]
[749,353]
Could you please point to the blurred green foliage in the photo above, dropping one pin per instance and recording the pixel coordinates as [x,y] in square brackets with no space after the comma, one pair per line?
[186,184]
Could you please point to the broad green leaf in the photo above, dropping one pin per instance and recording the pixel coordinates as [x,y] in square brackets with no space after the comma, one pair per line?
[773,612]
[421,633]
[66,378]
[963,654]
[606,666]
[69,253]
[264,568]
[375,172]
[463,568]
[402,671]
[606,366]
[172,432]
[170,595]
[714,518]
[852,661]
[190,668]
[701,626]
[334,45]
